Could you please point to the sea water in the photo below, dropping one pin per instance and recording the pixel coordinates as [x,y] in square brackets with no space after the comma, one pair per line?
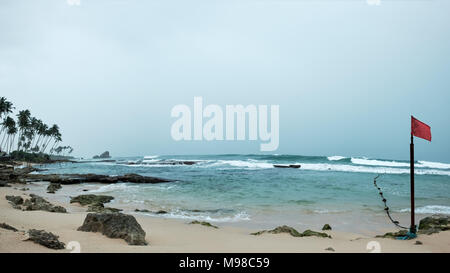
[246,190]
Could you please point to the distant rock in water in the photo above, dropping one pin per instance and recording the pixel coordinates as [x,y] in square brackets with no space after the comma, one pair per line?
[115,225]
[103,155]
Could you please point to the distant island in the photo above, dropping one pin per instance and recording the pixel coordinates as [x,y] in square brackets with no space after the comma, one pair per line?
[102,156]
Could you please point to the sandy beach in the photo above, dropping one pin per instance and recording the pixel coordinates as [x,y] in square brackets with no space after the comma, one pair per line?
[169,235]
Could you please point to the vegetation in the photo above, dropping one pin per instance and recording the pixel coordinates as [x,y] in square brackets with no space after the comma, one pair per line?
[27,137]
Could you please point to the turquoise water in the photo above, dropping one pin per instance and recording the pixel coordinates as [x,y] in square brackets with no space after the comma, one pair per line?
[248,190]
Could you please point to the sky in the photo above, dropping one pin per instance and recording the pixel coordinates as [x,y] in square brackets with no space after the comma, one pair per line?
[346,75]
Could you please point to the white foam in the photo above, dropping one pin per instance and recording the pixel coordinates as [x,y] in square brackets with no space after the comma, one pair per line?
[120,187]
[430,209]
[151,156]
[180,214]
[434,165]
[366,169]
[374,162]
[253,164]
[336,157]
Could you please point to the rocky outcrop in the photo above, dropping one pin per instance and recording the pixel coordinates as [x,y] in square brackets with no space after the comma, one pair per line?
[293,232]
[68,179]
[203,223]
[8,227]
[434,224]
[53,187]
[44,238]
[91,199]
[38,203]
[326,227]
[115,225]
[102,156]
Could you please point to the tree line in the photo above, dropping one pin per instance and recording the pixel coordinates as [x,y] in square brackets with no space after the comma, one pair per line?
[27,133]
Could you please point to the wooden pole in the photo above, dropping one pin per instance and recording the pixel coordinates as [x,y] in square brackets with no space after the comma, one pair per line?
[411,152]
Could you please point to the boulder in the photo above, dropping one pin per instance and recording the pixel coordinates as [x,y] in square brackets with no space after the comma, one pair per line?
[115,225]
[38,203]
[91,199]
[326,227]
[44,238]
[434,224]
[14,200]
[4,184]
[53,187]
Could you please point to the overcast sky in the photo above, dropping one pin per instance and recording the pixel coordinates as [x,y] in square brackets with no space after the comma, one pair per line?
[347,75]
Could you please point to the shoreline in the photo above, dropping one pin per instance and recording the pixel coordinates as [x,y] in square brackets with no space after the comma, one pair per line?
[173,235]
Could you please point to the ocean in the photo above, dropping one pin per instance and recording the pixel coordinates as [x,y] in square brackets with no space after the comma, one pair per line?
[246,190]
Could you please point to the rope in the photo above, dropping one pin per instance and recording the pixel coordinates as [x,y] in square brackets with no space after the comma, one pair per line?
[386,208]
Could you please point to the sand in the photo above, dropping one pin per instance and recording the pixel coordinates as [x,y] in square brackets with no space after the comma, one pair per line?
[169,235]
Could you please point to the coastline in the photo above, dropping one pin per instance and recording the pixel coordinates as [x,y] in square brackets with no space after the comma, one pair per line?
[171,235]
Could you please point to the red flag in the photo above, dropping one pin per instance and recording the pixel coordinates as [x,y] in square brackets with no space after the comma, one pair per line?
[420,129]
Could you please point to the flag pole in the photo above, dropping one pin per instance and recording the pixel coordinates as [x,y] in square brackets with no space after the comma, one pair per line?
[411,152]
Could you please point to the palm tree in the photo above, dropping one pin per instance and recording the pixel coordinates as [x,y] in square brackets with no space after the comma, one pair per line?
[53,133]
[5,107]
[11,131]
[23,119]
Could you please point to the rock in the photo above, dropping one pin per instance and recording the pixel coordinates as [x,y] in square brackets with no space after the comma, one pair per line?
[315,233]
[99,207]
[115,225]
[287,166]
[418,243]
[204,224]
[69,179]
[293,232]
[434,224]
[142,210]
[46,239]
[103,155]
[326,227]
[161,212]
[329,249]
[15,200]
[38,203]
[4,184]
[53,187]
[8,227]
[394,235]
[90,199]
